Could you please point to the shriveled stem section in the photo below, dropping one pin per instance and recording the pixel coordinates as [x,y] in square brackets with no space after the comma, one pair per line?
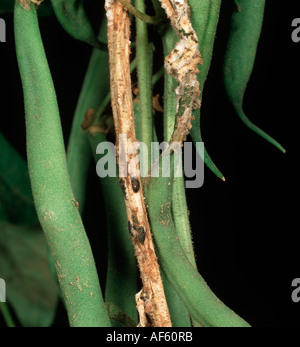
[182,64]
[151,301]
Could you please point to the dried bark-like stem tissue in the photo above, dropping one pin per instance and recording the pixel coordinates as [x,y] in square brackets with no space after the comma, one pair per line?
[151,301]
[182,64]
[26,3]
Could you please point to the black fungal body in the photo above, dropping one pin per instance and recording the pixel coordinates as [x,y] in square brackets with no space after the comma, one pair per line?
[135,183]
[141,235]
[130,229]
[123,187]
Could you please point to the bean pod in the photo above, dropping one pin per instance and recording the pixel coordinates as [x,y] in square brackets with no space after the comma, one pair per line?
[121,279]
[73,18]
[94,89]
[246,27]
[205,18]
[200,301]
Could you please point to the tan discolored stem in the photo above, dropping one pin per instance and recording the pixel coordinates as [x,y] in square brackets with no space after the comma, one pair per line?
[26,3]
[182,64]
[151,301]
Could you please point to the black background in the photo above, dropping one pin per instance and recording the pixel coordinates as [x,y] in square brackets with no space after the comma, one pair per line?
[245,229]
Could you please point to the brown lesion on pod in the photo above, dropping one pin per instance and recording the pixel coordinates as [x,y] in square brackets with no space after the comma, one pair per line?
[135,183]
[89,119]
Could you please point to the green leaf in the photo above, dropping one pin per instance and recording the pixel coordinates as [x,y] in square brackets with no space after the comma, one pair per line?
[30,287]
[16,201]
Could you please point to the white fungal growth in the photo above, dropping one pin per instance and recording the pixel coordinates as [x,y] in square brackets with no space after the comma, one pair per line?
[182,64]
[109,11]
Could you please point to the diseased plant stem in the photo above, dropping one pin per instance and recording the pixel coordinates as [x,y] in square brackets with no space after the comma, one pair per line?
[151,301]
[121,279]
[179,314]
[182,64]
[246,27]
[169,40]
[180,21]
[179,204]
[106,100]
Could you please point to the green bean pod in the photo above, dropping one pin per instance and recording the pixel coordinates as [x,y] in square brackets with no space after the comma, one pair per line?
[73,18]
[121,279]
[246,27]
[55,204]
[179,206]
[144,57]
[204,18]
[169,40]
[200,301]
[7,6]
[178,312]
[94,89]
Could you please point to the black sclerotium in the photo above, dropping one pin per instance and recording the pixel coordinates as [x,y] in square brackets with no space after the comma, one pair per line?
[135,183]
[130,229]
[141,235]
[123,187]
